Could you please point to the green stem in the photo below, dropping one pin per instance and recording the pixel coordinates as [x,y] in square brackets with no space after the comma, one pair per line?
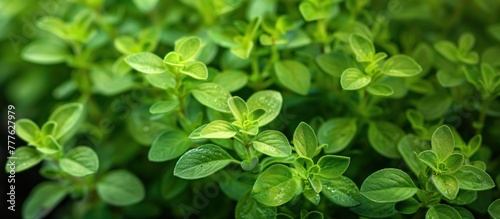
[482,115]
[363,100]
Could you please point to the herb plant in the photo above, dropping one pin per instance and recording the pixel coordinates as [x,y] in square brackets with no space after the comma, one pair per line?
[252,108]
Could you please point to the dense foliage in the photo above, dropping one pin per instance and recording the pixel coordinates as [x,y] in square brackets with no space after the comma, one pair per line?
[255,108]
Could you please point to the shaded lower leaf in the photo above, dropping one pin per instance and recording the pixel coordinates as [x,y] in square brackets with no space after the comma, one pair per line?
[464,197]
[441,211]
[337,133]
[248,208]
[494,209]
[384,137]
[42,199]
[409,144]
[293,75]
[409,206]
[120,188]
[311,195]
[370,209]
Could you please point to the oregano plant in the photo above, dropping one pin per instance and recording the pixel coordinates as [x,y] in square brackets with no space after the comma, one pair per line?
[251,109]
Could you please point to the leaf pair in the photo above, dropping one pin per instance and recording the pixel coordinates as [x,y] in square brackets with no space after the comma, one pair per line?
[180,61]
[364,50]
[460,53]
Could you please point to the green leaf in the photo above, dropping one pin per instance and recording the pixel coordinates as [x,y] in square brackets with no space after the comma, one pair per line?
[243,47]
[217,129]
[409,146]
[315,184]
[166,106]
[490,80]
[248,208]
[45,52]
[362,47]
[311,195]
[25,158]
[173,59]
[145,5]
[202,161]
[55,26]
[332,166]
[163,81]
[188,47]
[212,95]
[494,209]
[272,143]
[232,80]
[276,186]
[409,206]
[49,128]
[49,145]
[384,137]
[464,213]
[464,197]
[268,100]
[441,211]
[337,133]
[380,90]
[311,12]
[27,130]
[333,63]
[434,106]
[354,79]
[293,75]
[443,142]
[120,188]
[371,209]
[249,164]
[172,186]
[169,145]
[453,162]
[447,50]
[66,117]
[126,45]
[429,158]
[238,108]
[146,62]
[450,78]
[388,185]
[196,70]
[446,185]
[401,66]
[42,199]
[80,161]
[473,178]
[466,42]
[304,140]
[341,191]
